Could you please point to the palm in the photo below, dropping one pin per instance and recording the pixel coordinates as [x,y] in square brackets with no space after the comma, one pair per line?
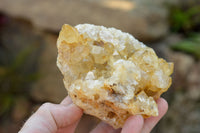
[64,117]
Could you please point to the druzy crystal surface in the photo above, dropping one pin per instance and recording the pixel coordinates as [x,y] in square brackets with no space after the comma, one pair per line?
[110,74]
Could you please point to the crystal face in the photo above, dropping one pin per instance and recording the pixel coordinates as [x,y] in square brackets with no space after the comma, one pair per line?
[110,74]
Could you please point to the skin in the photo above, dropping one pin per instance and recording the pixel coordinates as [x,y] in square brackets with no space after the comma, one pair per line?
[64,117]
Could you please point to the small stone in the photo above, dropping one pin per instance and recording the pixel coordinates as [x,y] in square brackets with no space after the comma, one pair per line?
[183,65]
[183,62]
[194,75]
[193,81]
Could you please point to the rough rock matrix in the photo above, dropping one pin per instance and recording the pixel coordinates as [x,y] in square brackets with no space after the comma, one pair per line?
[110,74]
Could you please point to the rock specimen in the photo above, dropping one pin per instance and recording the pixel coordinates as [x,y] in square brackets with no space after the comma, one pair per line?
[110,74]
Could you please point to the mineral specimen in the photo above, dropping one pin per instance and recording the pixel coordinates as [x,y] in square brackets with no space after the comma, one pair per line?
[110,74]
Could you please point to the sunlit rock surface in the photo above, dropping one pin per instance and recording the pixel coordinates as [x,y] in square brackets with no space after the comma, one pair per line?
[146,20]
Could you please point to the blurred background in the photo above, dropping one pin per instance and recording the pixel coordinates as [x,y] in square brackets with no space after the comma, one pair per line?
[29,75]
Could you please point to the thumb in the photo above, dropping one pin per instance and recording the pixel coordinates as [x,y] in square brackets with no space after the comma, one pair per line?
[133,124]
[50,117]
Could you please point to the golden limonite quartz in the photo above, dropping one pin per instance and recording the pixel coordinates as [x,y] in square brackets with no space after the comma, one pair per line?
[110,74]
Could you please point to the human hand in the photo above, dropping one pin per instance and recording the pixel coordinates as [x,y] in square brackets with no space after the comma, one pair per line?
[54,118]
[136,124]
[64,117]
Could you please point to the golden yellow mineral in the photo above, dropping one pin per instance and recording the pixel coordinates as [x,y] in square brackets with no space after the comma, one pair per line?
[110,74]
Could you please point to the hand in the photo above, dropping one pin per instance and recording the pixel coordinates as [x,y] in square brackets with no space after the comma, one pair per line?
[136,124]
[54,118]
[64,117]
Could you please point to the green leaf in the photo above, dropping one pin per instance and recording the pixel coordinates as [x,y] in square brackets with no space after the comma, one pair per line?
[22,57]
[6,102]
[184,19]
[190,45]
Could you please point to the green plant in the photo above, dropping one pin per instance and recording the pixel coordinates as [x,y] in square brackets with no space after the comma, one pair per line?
[16,77]
[189,45]
[184,19]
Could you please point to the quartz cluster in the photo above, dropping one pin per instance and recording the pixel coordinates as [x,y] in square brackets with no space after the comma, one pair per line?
[110,74]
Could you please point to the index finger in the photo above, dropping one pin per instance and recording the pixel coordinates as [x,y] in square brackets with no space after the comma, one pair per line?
[150,122]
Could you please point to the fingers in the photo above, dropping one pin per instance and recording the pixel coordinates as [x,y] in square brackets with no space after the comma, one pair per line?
[51,117]
[66,101]
[133,124]
[69,129]
[149,123]
[104,128]
[136,124]
[64,116]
